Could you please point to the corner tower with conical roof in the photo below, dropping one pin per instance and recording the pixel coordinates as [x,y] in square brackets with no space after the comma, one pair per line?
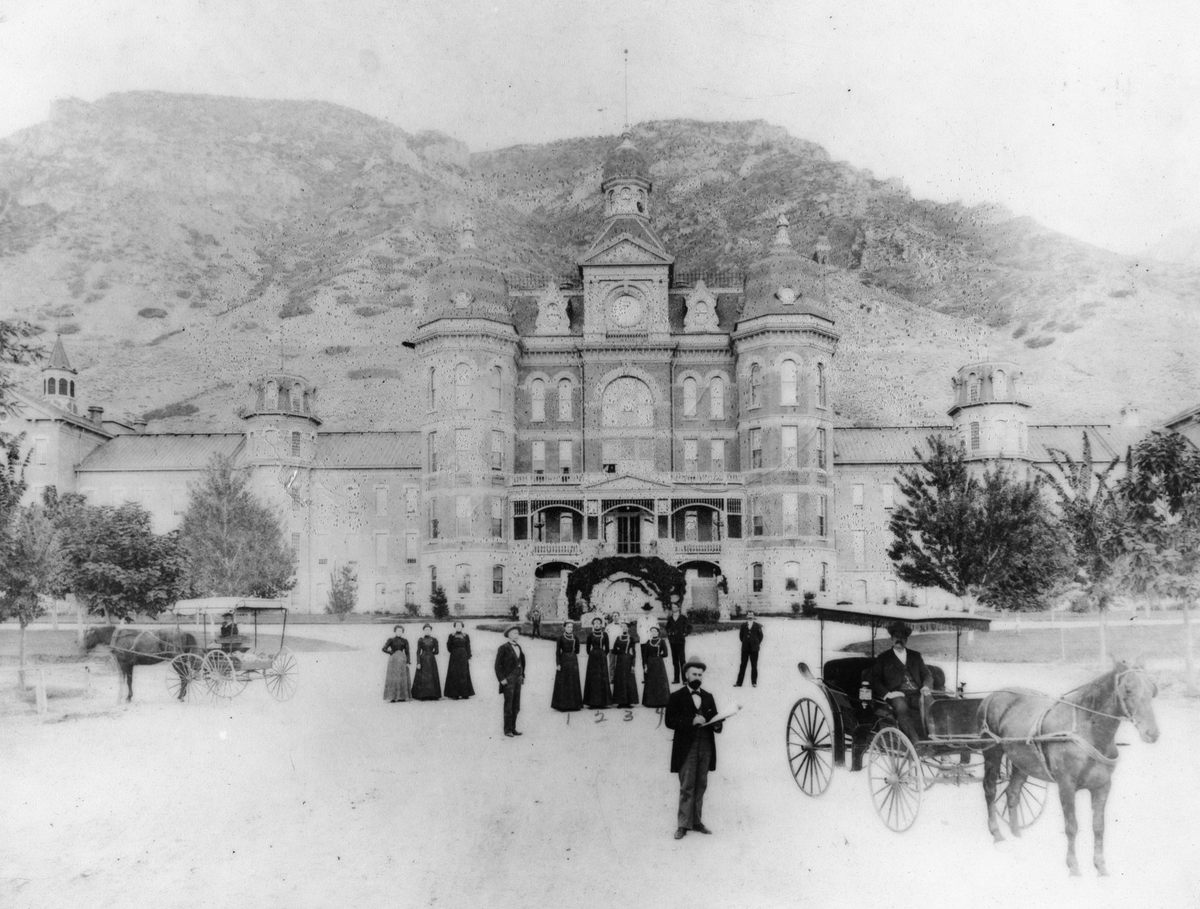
[784,345]
[467,347]
[58,379]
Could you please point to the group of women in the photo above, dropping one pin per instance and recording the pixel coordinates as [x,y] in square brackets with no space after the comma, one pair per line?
[426,683]
[610,679]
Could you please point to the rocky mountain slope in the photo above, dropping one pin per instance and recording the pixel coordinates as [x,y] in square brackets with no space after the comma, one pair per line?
[182,244]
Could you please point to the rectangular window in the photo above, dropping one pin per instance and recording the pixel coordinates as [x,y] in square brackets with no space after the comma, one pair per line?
[691,526]
[822,515]
[381,550]
[497,450]
[756,577]
[295,445]
[462,516]
[295,547]
[381,496]
[717,455]
[565,456]
[856,492]
[462,577]
[756,525]
[608,455]
[974,436]
[433,522]
[791,514]
[566,527]
[433,459]
[691,455]
[888,494]
[821,448]
[432,578]
[860,548]
[410,547]
[462,449]
[497,579]
[497,518]
[824,577]
[791,445]
[412,497]
[538,457]
[755,448]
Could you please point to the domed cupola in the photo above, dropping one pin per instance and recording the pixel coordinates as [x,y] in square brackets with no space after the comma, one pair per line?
[784,282]
[466,286]
[625,181]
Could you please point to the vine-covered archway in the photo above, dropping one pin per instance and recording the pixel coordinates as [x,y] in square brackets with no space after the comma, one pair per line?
[664,580]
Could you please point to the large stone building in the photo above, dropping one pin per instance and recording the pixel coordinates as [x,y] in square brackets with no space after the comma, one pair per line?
[628,411]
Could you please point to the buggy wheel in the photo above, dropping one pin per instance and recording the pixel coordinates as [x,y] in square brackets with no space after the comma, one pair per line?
[895,778]
[810,747]
[221,675]
[1030,804]
[280,676]
[183,675]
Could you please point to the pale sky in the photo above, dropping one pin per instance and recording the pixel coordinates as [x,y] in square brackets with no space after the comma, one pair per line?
[1082,115]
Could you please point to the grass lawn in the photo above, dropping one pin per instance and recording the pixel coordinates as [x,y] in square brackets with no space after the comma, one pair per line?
[1126,639]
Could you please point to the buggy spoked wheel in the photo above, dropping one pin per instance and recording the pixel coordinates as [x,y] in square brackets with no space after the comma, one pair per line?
[1030,804]
[280,676]
[895,778]
[810,747]
[184,674]
[221,675]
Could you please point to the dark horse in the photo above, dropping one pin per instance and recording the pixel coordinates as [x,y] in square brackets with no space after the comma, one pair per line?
[131,647]
[1068,740]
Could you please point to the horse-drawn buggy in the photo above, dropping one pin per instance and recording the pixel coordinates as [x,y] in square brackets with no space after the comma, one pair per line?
[205,654]
[1017,741]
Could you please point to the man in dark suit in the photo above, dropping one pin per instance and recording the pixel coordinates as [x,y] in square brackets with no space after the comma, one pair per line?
[751,634]
[678,628]
[510,673]
[693,749]
[900,677]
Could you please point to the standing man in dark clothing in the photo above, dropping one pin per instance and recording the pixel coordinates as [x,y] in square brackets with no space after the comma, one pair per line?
[693,749]
[751,634]
[678,628]
[900,677]
[535,621]
[510,673]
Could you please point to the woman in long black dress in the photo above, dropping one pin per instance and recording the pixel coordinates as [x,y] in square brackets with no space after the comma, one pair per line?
[427,685]
[395,684]
[655,689]
[458,670]
[567,694]
[596,692]
[624,686]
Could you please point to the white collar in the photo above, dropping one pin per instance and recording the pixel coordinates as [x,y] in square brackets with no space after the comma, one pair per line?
[900,654]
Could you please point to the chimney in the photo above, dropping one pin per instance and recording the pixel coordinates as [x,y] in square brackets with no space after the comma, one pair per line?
[139,424]
[96,414]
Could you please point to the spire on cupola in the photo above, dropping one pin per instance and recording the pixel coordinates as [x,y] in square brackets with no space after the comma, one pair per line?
[625,181]
[58,379]
[782,237]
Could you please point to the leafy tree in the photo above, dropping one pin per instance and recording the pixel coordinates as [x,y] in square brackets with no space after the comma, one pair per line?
[233,543]
[343,592]
[15,350]
[30,563]
[1161,489]
[117,566]
[991,540]
[437,599]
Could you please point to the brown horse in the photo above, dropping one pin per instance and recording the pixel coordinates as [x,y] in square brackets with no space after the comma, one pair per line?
[1068,740]
[131,647]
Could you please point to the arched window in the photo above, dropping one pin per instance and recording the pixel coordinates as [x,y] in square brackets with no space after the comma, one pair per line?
[282,399]
[296,399]
[999,385]
[462,385]
[462,575]
[432,388]
[821,397]
[972,389]
[755,385]
[497,388]
[564,399]
[62,386]
[787,382]
[974,436]
[72,386]
[689,397]
[756,577]
[716,399]
[49,386]
[537,400]
[410,593]
[791,575]
[497,579]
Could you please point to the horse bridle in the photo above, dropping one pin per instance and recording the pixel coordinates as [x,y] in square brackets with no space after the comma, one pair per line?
[1142,676]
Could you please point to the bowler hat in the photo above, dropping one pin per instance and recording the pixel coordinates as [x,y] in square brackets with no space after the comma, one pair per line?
[227,615]
[516,628]
[899,629]
[699,664]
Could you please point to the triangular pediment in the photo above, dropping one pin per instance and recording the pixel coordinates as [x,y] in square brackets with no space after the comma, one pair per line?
[628,481]
[626,252]
[626,241]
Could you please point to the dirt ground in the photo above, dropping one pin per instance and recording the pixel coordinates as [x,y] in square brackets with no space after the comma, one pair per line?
[336,798]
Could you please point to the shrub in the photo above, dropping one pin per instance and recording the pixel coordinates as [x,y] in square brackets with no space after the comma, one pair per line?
[152,312]
[343,592]
[437,600]
[703,615]
[335,350]
[514,613]
[413,609]
[367,311]
[809,608]
[795,609]
[293,308]
[905,600]
[178,409]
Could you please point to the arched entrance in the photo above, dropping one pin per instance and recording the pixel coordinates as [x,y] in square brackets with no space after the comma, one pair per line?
[641,578]
[702,578]
[622,593]
[549,588]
